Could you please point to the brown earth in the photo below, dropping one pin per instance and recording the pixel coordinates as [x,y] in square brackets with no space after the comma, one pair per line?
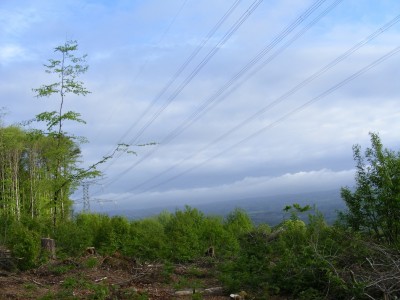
[114,277]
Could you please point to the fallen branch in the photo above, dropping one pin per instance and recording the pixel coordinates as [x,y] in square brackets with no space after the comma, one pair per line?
[38,283]
[101,279]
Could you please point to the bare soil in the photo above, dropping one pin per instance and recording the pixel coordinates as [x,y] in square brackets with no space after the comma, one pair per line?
[113,277]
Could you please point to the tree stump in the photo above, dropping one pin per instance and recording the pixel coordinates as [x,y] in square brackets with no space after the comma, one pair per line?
[6,261]
[49,247]
[90,251]
[210,252]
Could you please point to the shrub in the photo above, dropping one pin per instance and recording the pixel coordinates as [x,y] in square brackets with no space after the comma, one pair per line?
[42,226]
[302,260]
[184,233]
[214,233]
[24,245]
[238,222]
[72,239]
[121,230]
[147,240]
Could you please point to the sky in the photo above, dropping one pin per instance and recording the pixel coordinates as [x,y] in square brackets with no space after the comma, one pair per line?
[242,98]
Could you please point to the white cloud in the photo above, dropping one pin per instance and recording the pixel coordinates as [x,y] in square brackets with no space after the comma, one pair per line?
[17,20]
[299,182]
[9,53]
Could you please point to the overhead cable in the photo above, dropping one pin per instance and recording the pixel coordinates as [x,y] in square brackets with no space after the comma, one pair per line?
[283,118]
[190,120]
[197,69]
[141,68]
[172,80]
[280,99]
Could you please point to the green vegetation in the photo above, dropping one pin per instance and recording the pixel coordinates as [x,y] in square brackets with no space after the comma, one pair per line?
[356,258]
[306,260]
[374,207]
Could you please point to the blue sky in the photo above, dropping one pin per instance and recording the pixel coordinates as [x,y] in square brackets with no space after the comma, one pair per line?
[134,49]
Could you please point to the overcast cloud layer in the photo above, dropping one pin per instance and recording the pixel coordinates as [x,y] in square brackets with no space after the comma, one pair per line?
[135,48]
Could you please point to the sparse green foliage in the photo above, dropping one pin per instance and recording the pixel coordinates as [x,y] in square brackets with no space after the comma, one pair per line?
[295,209]
[96,291]
[374,206]
[64,171]
[91,262]
[67,68]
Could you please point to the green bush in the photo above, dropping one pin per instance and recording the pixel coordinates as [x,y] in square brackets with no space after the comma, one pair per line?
[24,245]
[214,234]
[147,240]
[249,270]
[121,230]
[184,234]
[43,226]
[302,260]
[5,224]
[102,232]
[238,222]
[72,239]
[104,237]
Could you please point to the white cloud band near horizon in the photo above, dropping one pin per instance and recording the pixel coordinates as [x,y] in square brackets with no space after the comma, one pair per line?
[249,187]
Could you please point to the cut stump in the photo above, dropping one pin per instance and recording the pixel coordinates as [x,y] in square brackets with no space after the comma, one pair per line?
[49,247]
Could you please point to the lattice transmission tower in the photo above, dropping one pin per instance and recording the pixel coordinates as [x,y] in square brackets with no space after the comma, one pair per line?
[86,196]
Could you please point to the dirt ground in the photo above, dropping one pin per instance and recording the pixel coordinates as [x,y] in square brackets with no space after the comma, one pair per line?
[113,277]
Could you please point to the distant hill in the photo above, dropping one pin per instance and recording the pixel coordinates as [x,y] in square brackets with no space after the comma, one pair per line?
[268,209]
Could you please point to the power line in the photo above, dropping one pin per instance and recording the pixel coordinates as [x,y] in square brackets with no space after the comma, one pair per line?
[173,21]
[284,117]
[188,79]
[142,67]
[183,66]
[197,69]
[176,76]
[195,116]
[215,99]
[283,97]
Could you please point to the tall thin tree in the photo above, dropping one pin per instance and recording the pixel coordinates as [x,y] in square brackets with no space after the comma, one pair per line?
[65,150]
